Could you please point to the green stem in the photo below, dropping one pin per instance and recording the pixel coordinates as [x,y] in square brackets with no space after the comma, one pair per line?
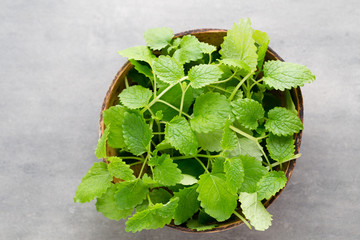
[202,164]
[198,155]
[183,92]
[222,89]
[239,85]
[126,82]
[243,219]
[155,89]
[136,163]
[136,158]
[259,138]
[243,133]
[228,79]
[278,163]
[142,167]
[158,133]
[150,202]
[255,83]
[173,107]
[262,151]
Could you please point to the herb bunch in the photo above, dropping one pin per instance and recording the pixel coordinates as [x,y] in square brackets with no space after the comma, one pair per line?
[204,130]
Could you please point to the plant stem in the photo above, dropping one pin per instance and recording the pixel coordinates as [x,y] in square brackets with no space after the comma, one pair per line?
[255,83]
[155,89]
[183,92]
[278,163]
[150,202]
[209,58]
[239,85]
[137,158]
[136,163]
[202,164]
[126,82]
[142,167]
[222,89]
[228,79]
[243,133]
[173,107]
[158,133]
[198,155]
[242,219]
[262,151]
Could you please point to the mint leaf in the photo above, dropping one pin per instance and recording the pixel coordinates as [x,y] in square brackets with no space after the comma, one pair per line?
[130,193]
[254,171]
[196,225]
[137,134]
[158,195]
[270,184]
[284,75]
[120,169]
[211,110]
[190,50]
[135,96]
[239,44]
[188,180]
[106,205]
[237,64]
[165,170]
[179,134]
[207,48]
[188,204]
[248,111]
[215,196]
[142,68]
[168,69]
[289,102]
[254,211]
[210,141]
[234,172]
[94,184]
[204,74]
[245,146]
[283,122]
[218,165]
[262,39]
[229,139]
[155,216]
[100,150]
[158,38]
[280,148]
[139,53]
[114,116]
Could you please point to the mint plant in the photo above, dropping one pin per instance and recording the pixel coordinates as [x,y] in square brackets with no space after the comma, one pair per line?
[203,130]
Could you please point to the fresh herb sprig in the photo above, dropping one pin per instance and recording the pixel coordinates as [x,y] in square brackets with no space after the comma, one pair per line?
[202,127]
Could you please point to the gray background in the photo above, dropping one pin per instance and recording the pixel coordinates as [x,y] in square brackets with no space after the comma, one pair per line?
[57,59]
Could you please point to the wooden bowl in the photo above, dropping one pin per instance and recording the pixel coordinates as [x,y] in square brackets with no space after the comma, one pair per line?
[214,37]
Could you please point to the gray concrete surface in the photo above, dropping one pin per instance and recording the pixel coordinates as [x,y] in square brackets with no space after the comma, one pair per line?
[57,59]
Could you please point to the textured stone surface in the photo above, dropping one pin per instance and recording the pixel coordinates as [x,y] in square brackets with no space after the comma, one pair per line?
[59,57]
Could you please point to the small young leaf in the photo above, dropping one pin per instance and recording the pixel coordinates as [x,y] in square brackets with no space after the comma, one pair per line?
[156,216]
[130,193]
[207,48]
[168,69]
[262,39]
[204,74]
[188,204]
[120,169]
[289,102]
[284,75]
[239,44]
[283,122]
[248,111]
[254,211]
[211,110]
[137,133]
[94,184]
[210,141]
[270,184]
[234,172]
[190,50]
[165,170]
[157,195]
[254,171]
[158,38]
[100,150]
[106,205]
[280,148]
[215,196]
[229,139]
[135,96]
[179,134]
[142,68]
[139,53]
[188,180]
[114,116]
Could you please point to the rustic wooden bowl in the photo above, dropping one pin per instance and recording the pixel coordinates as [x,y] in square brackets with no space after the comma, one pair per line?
[214,37]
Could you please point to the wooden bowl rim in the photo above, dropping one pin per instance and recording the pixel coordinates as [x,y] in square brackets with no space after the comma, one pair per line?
[298,137]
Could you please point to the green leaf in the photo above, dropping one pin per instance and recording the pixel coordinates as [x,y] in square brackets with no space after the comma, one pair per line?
[283,122]
[254,211]
[289,102]
[120,169]
[254,171]
[158,38]
[248,111]
[188,180]
[284,75]
[237,64]
[155,216]
[106,205]
[263,40]
[158,195]
[188,204]
[234,172]
[139,53]
[280,148]
[196,225]
[215,196]
[245,146]
[179,134]
[210,141]
[135,96]
[137,134]
[130,193]
[211,110]
[218,165]
[114,116]
[229,139]
[204,74]
[100,150]
[165,170]
[239,44]
[270,184]
[190,50]
[94,184]
[168,69]
[142,68]
[207,48]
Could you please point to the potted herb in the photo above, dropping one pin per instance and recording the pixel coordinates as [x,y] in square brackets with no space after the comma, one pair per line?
[200,132]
